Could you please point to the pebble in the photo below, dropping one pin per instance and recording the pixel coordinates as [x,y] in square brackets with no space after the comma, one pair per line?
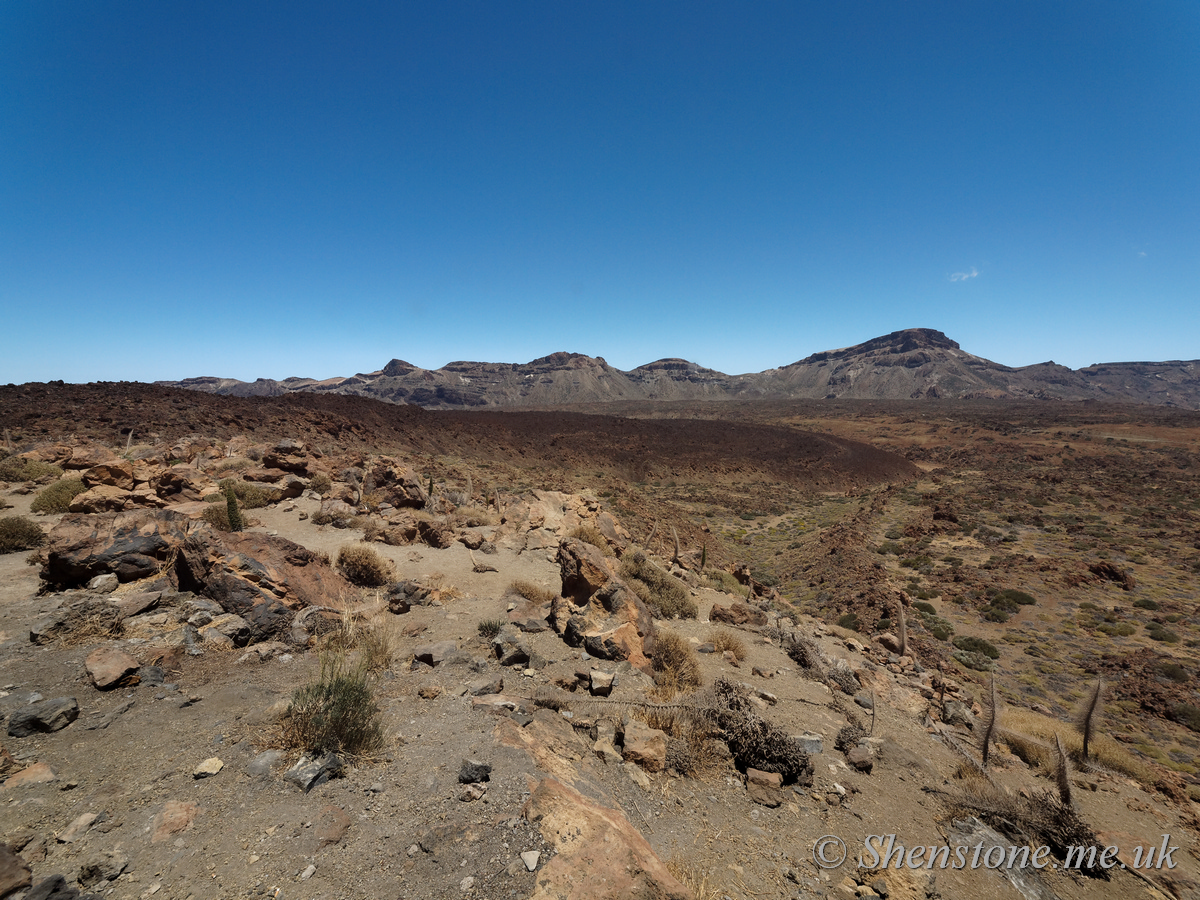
[308,873]
[466,884]
[530,858]
[209,767]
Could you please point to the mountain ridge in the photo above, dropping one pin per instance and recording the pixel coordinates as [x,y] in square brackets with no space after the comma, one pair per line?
[913,363]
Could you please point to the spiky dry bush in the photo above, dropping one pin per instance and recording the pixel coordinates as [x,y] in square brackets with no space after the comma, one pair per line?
[335,713]
[364,566]
[320,483]
[535,593]
[1041,819]
[56,497]
[675,665]
[668,597]
[754,742]
[723,639]
[19,533]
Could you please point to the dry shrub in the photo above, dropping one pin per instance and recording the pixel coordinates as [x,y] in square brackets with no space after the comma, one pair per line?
[320,483]
[723,639]
[675,665]
[669,598]
[335,713]
[372,530]
[233,464]
[57,496]
[589,534]
[90,622]
[364,566]
[217,515]
[1030,736]
[535,593]
[19,533]
[377,645]
[439,583]
[754,742]
[697,753]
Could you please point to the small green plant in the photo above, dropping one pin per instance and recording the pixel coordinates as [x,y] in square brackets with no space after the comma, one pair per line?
[923,606]
[489,628]
[1175,672]
[850,620]
[17,468]
[976,645]
[233,515]
[1159,632]
[250,494]
[1145,603]
[19,533]
[335,713]
[56,497]
[668,598]
[720,580]
[363,565]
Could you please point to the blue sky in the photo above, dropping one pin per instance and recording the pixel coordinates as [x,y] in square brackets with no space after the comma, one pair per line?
[275,189]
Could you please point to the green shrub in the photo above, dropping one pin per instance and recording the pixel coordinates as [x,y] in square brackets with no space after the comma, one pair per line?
[16,468]
[980,662]
[233,515]
[1145,603]
[668,597]
[57,496]
[1116,629]
[1019,598]
[217,515]
[924,607]
[364,566]
[889,547]
[1159,632]
[720,580]
[1187,715]
[250,494]
[976,645]
[336,713]
[489,628]
[1175,672]
[19,533]
[916,562]
[850,620]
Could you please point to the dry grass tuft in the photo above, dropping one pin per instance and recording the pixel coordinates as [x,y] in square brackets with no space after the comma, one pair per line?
[724,639]
[694,877]
[535,593]
[364,566]
[675,665]
[589,534]
[1030,736]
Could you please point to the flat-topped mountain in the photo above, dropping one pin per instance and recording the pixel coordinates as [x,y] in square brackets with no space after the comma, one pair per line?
[916,363]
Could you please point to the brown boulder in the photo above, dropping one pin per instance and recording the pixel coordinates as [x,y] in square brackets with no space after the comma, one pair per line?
[584,569]
[182,483]
[598,855]
[15,873]
[764,788]
[101,498]
[89,455]
[645,746]
[436,534]
[130,544]
[109,667]
[396,484]
[294,462]
[114,474]
[737,614]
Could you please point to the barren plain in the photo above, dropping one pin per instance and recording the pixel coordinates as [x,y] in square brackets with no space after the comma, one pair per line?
[843,579]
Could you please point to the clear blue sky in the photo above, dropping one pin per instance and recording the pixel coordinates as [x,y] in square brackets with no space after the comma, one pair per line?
[273,189]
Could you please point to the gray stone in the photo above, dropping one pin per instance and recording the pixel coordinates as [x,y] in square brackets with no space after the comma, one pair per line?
[864,700]
[472,771]
[601,683]
[486,686]
[955,712]
[311,771]
[15,872]
[43,717]
[103,866]
[103,584]
[262,764]
[56,888]
[531,858]
[860,758]
[434,654]
[810,743]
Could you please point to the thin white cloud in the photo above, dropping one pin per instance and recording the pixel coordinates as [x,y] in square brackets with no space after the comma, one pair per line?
[963,276]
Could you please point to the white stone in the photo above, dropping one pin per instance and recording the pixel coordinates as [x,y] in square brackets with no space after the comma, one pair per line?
[530,858]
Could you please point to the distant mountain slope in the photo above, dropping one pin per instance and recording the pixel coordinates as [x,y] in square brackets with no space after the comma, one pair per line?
[917,363]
